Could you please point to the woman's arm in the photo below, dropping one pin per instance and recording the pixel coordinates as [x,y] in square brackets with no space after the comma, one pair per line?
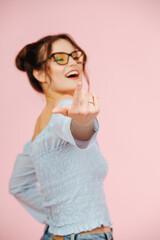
[79,123]
[82,133]
[23,186]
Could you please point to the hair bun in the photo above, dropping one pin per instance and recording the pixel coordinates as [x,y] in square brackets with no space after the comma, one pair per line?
[20,59]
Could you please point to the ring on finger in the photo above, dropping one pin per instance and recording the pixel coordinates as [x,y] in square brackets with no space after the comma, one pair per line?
[93,100]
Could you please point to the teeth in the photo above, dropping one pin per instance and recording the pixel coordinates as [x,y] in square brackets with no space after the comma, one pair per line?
[71,73]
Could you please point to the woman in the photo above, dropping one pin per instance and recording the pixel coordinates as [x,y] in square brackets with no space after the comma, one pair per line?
[63,154]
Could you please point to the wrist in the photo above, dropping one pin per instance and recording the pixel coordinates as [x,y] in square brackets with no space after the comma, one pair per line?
[88,125]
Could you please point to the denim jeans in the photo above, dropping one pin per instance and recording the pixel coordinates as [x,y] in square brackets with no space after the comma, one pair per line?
[92,236]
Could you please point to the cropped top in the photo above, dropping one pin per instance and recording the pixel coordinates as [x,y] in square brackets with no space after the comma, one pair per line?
[58,179]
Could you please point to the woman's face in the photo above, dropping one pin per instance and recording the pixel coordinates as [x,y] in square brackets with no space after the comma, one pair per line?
[59,82]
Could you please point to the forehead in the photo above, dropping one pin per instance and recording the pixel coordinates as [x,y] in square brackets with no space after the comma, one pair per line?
[62,45]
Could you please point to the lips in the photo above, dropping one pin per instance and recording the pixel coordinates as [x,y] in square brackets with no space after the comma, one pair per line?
[73,70]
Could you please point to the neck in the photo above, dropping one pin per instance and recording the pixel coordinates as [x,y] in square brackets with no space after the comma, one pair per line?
[52,101]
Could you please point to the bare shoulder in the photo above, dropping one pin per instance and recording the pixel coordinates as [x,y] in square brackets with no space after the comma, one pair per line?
[41,122]
[45,116]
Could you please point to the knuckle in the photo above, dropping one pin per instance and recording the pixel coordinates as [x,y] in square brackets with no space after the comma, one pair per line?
[97,111]
[91,112]
[76,112]
[84,112]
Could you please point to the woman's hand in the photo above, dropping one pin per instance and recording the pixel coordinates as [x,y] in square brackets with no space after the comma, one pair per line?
[81,111]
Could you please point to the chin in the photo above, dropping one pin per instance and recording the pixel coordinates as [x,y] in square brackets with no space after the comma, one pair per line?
[70,91]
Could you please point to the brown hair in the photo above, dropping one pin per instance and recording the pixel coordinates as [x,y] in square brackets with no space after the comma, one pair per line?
[32,57]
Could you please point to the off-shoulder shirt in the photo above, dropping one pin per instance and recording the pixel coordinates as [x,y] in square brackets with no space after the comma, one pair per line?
[58,179]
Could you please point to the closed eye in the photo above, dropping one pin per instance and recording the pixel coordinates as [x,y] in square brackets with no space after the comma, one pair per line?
[59,59]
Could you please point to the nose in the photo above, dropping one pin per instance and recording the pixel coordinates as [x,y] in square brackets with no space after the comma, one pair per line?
[71,61]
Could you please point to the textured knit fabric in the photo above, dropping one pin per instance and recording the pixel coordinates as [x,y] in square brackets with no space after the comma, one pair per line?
[69,196]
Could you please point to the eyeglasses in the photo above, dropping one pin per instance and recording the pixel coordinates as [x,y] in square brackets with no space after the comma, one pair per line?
[62,57]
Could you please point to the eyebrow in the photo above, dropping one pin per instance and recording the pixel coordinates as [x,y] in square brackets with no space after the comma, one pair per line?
[66,52]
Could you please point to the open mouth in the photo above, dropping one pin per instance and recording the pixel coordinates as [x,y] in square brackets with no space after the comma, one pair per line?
[73,76]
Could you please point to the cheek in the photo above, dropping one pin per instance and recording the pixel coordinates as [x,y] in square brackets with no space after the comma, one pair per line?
[57,71]
[81,69]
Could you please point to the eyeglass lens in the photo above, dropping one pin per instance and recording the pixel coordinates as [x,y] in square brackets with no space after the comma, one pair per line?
[62,58]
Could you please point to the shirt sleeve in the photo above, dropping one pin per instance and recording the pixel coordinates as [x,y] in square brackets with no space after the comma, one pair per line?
[23,186]
[61,126]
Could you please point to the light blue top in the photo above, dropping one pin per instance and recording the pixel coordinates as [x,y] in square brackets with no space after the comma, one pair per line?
[70,196]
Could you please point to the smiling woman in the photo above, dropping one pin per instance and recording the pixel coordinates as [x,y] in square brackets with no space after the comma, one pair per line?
[63,155]
[35,56]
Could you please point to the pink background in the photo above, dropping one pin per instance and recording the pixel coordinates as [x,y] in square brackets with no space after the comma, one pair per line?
[122,41]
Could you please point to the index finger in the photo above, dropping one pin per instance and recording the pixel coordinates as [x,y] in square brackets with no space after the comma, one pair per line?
[77,95]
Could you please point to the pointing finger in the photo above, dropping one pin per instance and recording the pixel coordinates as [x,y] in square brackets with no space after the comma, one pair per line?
[61,110]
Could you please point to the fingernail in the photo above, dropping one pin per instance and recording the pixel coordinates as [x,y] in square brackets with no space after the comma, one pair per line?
[54,110]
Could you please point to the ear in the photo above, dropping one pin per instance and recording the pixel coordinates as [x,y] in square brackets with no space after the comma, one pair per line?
[39,75]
